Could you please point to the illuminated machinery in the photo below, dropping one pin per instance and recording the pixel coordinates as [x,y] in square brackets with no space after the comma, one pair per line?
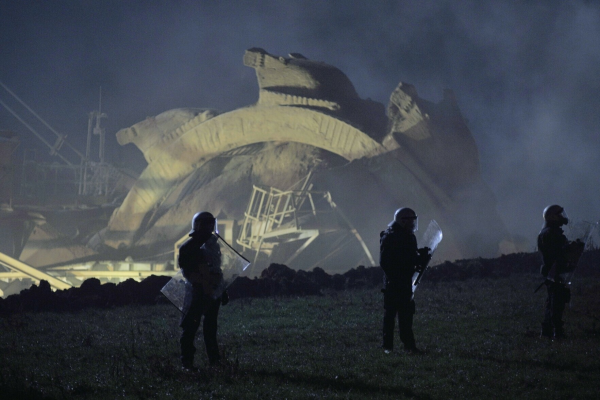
[18,276]
[308,117]
[281,224]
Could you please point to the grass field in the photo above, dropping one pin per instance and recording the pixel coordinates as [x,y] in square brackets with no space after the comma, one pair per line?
[480,337]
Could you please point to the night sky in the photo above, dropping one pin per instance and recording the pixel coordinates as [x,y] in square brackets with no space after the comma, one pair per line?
[526,74]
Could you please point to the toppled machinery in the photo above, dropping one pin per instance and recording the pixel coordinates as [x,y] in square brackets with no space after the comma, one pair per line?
[309,175]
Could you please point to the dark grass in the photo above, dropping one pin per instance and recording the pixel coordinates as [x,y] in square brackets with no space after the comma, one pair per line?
[480,337]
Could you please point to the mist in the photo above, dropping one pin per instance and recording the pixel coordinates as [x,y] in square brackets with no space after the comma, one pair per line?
[526,74]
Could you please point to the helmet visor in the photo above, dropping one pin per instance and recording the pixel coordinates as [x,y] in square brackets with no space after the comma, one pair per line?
[205,225]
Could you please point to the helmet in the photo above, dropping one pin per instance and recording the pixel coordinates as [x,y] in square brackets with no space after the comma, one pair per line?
[556,214]
[203,222]
[406,218]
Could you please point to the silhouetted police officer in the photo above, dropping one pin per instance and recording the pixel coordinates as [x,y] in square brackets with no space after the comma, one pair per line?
[400,258]
[555,250]
[204,290]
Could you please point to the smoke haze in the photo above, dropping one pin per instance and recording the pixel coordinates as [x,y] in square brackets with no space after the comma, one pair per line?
[526,74]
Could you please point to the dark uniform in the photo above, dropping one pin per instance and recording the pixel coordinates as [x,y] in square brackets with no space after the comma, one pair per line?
[554,247]
[399,257]
[197,304]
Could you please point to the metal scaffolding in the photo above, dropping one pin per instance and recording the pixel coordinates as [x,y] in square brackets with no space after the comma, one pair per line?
[274,217]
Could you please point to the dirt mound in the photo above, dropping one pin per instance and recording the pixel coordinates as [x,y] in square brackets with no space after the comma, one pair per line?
[90,294]
[276,280]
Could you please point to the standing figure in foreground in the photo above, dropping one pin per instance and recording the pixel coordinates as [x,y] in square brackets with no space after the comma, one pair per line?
[199,259]
[400,259]
[556,251]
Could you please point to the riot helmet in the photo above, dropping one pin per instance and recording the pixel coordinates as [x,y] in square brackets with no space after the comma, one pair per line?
[406,218]
[203,222]
[555,214]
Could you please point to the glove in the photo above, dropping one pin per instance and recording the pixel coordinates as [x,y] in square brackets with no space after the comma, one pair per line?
[575,248]
[225,298]
[424,256]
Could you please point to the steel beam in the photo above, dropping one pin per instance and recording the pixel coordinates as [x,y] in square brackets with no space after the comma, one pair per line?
[31,272]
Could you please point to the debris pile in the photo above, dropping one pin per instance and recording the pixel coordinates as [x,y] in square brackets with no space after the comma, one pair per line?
[90,294]
[276,280]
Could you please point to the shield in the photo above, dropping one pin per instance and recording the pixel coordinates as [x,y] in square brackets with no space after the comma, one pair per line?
[223,257]
[431,239]
[579,234]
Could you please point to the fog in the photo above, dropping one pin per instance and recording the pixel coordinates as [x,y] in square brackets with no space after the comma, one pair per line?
[526,74]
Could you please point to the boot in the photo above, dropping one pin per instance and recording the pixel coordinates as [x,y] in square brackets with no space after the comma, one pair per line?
[413,350]
[188,364]
[547,331]
[559,332]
